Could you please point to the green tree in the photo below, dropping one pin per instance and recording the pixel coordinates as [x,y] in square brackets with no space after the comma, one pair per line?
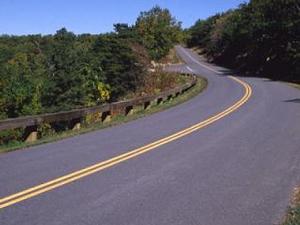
[261,36]
[21,92]
[126,32]
[200,31]
[118,63]
[159,31]
[64,87]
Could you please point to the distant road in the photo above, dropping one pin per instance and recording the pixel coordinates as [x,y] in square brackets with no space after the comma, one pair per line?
[230,156]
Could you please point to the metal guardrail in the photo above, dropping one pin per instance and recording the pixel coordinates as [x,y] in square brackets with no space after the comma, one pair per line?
[30,123]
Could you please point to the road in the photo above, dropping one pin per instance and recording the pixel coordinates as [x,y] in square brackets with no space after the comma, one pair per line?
[240,169]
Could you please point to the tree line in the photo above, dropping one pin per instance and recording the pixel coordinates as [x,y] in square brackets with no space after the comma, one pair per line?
[63,71]
[260,37]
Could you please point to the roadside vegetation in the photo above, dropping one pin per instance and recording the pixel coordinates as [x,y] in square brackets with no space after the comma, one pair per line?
[48,135]
[295,85]
[41,74]
[261,37]
[171,58]
[293,214]
[65,71]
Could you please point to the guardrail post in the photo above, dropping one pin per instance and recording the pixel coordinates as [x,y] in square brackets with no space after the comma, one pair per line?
[75,124]
[31,134]
[159,101]
[106,117]
[147,105]
[170,98]
[129,110]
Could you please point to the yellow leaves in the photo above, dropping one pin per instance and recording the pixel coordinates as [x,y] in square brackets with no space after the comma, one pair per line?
[103,91]
[19,59]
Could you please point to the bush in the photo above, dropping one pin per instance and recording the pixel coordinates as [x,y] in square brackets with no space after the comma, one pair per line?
[9,136]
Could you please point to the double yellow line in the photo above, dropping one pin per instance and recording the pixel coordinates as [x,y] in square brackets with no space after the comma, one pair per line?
[50,185]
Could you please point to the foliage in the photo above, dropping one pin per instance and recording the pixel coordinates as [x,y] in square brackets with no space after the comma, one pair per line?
[199,32]
[63,71]
[159,31]
[119,65]
[261,36]
[293,214]
[64,88]
[11,136]
[45,130]
[293,217]
[160,81]
[20,87]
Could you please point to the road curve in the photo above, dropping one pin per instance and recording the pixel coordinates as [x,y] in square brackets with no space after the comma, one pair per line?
[237,170]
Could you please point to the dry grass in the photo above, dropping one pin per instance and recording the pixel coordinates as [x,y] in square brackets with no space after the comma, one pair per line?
[294,85]
[158,81]
[293,214]
[171,58]
[296,197]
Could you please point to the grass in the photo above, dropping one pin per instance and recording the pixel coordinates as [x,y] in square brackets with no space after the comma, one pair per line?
[293,214]
[294,85]
[119,119]
[171,58]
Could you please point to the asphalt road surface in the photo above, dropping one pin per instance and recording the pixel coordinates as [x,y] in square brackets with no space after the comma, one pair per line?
[238,170]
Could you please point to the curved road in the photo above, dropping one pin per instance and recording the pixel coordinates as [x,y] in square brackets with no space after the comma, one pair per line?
[238,170]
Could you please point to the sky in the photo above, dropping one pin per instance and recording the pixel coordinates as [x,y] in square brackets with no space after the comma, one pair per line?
[18,17]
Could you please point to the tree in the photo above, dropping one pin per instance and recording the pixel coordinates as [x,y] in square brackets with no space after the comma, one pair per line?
[126,32]
[64,88]
[159,31]
[63,71]
[200,31]
[118,63]
[261,36]
[21,91]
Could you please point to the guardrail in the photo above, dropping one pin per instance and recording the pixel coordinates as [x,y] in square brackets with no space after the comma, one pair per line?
[104,112]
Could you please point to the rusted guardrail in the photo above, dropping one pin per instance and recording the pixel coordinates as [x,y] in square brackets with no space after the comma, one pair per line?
[105,112]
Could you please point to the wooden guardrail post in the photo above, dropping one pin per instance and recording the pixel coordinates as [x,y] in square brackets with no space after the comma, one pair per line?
[159,101]
[106,117]
[170,97]
[75,124]
[147,105]
[129,110]
[31,134]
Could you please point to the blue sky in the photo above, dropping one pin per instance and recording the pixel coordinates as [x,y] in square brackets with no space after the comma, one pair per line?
[95,16]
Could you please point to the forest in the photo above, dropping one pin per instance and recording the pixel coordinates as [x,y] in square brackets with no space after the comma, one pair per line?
[64,71]
[259,38]
[50,73]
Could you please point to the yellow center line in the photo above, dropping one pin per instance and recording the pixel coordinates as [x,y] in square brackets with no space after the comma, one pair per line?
[50,185]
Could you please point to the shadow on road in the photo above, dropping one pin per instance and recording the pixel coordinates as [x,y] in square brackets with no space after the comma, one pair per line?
[295,100]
